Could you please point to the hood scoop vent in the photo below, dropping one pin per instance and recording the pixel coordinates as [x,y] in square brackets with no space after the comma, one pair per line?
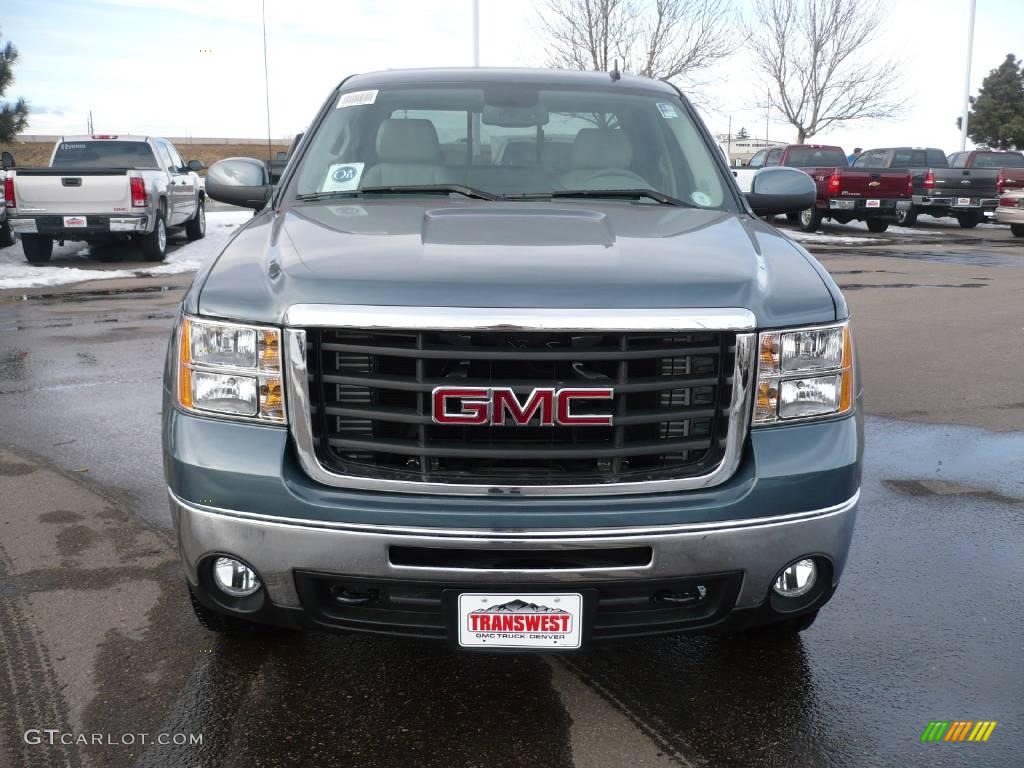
[519,225]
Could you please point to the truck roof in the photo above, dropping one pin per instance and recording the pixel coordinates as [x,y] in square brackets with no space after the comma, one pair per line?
[518,76]
[926,149]
[105,137]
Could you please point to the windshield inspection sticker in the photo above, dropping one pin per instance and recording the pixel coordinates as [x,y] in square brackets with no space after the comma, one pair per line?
[667,110]
[343,177]
[356,99]
[347,210]
[701,198]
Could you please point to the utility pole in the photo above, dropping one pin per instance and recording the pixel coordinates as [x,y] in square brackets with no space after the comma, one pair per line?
[90,131]
[476,33]
[728,143]
[767,111]
[967,79]
[266,83]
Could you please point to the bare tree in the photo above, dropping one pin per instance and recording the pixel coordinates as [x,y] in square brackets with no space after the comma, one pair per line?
[663,39]
[815,55]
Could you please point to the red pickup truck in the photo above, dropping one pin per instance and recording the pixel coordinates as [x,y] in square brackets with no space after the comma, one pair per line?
[845,194]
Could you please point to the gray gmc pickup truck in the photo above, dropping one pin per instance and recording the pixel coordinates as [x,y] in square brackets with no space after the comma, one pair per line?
[506,359]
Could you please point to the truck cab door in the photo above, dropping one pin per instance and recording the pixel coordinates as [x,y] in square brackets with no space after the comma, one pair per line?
[186,186]
[176,182]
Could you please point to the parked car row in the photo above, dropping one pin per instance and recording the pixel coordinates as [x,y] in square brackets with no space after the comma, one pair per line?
[898,184]
[104,188]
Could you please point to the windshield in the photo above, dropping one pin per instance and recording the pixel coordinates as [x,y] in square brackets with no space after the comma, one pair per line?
[506,141]
[998,160]
[815,157]
[104,154]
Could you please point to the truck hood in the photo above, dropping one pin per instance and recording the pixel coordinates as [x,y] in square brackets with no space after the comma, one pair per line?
[586,254]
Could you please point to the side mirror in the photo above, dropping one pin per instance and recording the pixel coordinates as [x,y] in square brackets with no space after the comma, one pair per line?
[6,160]
[196,165]
[241,181]
[781,190]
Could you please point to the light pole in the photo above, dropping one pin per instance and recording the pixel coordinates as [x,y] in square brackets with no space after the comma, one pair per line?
[967,79]
[476,33]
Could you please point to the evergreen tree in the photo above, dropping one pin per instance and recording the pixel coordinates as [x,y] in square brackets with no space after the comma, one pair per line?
[743,134]
[997,117]
[13,117]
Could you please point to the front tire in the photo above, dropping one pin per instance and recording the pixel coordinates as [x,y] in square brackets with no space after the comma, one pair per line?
[810,220]
[221,624]
[6,235]
[38,248]
[154,245]
[877,225]
[968,220]
[195,229]
[1017,230]
[907,217]
[785,628]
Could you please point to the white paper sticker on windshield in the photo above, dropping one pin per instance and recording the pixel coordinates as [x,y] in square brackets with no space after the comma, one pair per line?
[356,99]
[667,110]
[343,177]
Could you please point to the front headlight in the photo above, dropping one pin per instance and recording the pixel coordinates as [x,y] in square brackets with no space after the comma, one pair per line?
[230,369]
[804,373]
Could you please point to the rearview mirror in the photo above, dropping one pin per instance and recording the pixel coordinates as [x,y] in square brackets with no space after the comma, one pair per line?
[781,190]
[196,165]
[6,160]
[242,181]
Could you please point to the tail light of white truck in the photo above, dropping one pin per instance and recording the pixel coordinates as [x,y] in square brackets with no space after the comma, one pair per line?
[804,373]
[9,191]
[138,187]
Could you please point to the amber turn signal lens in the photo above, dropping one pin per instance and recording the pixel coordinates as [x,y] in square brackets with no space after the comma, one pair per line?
[270,351]
[184,359]
[846,396]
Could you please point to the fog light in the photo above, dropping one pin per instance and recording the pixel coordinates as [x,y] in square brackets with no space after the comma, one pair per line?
[235,578]
[796,579]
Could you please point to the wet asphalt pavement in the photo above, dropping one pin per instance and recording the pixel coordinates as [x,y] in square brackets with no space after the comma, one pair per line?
[96,635]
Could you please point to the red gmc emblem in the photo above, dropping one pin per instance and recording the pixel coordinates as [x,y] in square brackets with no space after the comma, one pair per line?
[500,406]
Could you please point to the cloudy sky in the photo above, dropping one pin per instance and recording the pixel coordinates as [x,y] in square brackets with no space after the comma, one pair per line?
[195,67]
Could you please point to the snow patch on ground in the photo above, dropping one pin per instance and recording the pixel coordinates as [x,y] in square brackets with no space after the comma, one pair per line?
[15,272]
[815,237]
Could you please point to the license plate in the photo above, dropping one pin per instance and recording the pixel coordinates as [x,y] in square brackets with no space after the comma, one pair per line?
[520,620]
[874,203]
[71,222]
[963,201]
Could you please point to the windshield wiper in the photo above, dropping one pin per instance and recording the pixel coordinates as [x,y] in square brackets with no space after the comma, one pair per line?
[624,194]
[420,189]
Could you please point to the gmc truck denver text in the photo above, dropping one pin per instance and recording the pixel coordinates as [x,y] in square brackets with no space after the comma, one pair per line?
[584,395]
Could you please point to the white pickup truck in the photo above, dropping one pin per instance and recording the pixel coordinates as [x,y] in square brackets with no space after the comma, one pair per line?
[104,188]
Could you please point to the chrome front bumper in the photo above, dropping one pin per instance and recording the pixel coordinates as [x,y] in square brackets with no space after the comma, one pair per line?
[276,547]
